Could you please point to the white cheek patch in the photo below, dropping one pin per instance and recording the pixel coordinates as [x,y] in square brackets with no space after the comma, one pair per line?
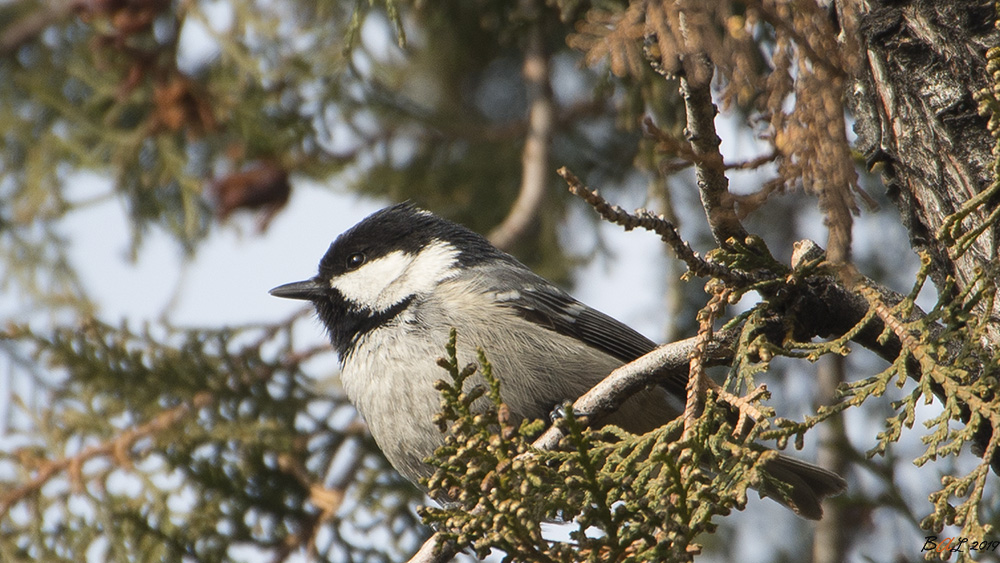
[388,280]
[365,285]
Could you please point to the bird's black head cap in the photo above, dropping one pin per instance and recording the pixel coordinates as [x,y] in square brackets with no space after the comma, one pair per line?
[407,228]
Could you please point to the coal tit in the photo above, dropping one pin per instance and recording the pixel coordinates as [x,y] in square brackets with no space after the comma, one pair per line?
[389,291]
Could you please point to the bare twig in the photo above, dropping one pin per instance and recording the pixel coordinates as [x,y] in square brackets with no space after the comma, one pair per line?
[698,381]
[669,362]
[668,144]
[426,553]
[658,224]
[695,85]
[541,117]
[753,163]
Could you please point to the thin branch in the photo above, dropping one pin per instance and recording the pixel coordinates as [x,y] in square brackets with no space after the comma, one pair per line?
[668,144]
[657,224]
[753,163]
[710,168]
[698,382]
[669,362]
[541,119]
[327,499]
[426,553]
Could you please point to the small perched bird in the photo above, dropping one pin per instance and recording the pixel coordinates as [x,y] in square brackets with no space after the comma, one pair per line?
[389,291]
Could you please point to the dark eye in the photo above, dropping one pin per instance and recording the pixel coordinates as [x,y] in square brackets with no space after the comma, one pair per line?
[354,261]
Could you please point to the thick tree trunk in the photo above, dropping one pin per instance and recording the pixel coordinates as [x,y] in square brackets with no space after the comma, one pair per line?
[922,62]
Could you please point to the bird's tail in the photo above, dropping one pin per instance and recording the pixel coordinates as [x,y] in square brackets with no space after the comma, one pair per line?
[801,486]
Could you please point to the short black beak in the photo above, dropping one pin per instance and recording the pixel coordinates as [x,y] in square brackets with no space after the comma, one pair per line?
[308,290]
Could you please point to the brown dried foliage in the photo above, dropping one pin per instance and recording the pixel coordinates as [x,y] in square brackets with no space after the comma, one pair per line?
[263,187]
[128,47]
[796,87]
[178,104]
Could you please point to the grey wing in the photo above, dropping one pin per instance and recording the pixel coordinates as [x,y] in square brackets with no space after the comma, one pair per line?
[547,306]
[559,312]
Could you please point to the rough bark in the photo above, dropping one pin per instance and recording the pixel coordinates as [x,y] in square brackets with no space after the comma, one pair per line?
[922,62]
